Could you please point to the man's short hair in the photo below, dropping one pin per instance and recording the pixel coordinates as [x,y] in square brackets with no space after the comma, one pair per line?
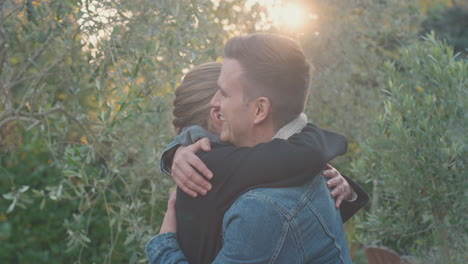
[275,67]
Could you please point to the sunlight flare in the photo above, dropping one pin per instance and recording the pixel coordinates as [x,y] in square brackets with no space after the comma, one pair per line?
[286,16]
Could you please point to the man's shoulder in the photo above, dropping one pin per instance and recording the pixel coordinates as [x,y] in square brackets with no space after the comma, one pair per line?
[287,193]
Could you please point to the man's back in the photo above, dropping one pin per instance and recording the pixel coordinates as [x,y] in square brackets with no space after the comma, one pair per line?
[285,225]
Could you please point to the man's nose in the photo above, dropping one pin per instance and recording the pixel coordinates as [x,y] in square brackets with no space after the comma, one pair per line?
[214,103]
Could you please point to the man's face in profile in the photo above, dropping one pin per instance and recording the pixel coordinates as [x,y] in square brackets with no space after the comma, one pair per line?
[235,112]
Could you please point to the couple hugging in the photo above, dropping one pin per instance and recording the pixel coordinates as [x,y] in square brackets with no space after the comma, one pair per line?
[250,168]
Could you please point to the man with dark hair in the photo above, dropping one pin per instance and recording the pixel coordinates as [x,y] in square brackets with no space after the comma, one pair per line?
[263,86]
[273,66]
[272,75]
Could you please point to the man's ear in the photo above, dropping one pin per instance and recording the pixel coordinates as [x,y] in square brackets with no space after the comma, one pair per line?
[262,109]
[215,122]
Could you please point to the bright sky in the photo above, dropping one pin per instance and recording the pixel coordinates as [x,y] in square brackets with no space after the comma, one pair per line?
[104,17]
[285,16]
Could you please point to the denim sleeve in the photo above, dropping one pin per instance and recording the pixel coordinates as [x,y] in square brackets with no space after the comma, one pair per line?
[165,161]
[165,249]
[187,136]
[192,134]
[254,231]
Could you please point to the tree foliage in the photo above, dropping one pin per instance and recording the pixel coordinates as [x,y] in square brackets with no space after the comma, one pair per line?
[88,85]
[418,159]
[347,46]
[449,24]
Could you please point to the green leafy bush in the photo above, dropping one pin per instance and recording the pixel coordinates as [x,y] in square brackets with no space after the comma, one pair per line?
[34,229]
[418,160]
[449,24]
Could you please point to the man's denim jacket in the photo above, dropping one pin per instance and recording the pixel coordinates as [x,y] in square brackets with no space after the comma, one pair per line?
[273,225]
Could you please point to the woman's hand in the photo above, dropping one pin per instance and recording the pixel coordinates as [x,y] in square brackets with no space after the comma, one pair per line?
[169,223]
[340,188]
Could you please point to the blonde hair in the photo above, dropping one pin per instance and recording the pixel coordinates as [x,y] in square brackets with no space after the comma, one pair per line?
[193,96]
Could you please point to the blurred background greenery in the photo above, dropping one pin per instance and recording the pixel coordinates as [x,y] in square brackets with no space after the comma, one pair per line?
[86,90]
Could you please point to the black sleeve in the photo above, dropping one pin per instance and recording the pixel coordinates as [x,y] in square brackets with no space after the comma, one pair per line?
[347,208]
[278,163]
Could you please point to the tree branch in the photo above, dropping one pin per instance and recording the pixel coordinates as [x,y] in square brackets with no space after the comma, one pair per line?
[54,109]
[3,54]
[31,61]
[3,40]
[7,120]
[5,114]
[10,116]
